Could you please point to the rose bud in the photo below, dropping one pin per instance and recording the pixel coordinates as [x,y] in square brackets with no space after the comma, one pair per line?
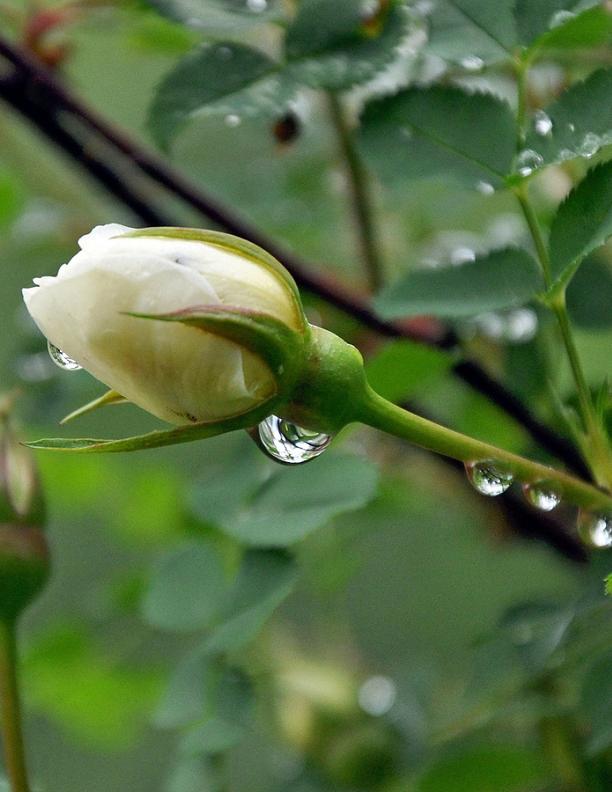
[24,555]
[233,327]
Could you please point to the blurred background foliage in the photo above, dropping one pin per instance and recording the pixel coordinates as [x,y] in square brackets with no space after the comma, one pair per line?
[215,621]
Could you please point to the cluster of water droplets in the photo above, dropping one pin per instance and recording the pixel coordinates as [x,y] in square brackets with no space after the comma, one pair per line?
[287,442]
[528,161]
[61,359]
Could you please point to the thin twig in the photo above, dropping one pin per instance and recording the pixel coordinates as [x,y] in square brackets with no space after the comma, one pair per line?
[36,93]
[10,712]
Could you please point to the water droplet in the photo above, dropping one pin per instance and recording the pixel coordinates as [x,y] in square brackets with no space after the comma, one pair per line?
[461,255]
[377,695]
[595,529]
[257,6]
[527,161]
[485,188]
[488,477]
[61,359]
[542,123]
[560,18]
[544,495]
[406,132]
[233,120]
[288,442]
[571,127]
[472,63]
[590,145]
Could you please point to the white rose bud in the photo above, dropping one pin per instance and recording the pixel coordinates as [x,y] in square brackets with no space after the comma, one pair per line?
[207,362]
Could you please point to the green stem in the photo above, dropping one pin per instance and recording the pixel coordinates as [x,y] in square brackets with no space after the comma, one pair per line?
[12,736]
[521,68]
[599,456]
[382,414]
[361,199]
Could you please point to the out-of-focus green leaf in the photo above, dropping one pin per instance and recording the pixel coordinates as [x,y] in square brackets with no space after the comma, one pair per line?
[404,368]
[295,501]
[588,29]
[193,774]
[500,279]
[583,221]
[453,37]
[225,78]
[596,703]
[426,132]
[328,45]
[92,696]
[265,579]
[218,16]
[588,295]
[608,585]
[495,20]
[533,19]
[188,690]
[537,630]
[493,768]
[186,589]
[212,737]
[581,121]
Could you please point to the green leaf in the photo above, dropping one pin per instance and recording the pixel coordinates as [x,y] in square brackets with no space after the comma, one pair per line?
[266,578]
[596,704]
[110,397]
[186,589]
[455,38]
[485,769]
[588,295]
[608,585]
[212,737]
[581,121]
[225,78]
[439,131]
[217,16]
[296,501]
[583,221]
[403,368]
[188,690]
[495,20]
[500,279]
[537,630]
[590,28]
[328,45]
[534,19]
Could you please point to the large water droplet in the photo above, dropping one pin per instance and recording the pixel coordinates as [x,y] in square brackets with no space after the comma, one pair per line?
[485,188]
[542,124]
[489,477]
[560,18]
[542,494]
[61,359]
[528,161]
[595,529]
[472,63]
[288,442]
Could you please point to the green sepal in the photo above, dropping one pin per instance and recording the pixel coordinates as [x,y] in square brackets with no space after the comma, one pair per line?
[281,348]
[110,397]
[238,246]
[181,434]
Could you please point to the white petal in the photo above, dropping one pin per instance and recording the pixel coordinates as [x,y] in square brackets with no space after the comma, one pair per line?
[100,234]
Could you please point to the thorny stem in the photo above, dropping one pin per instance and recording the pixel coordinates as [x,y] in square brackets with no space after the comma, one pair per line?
[381,414]
[12,736]
[361,199]
[36,93]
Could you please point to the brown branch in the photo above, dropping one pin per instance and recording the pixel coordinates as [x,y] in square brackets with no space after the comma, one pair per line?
[35,92]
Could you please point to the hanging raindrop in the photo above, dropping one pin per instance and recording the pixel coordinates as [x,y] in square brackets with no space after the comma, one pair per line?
[488,477]
[61,359]
[288,442]
[542,494]
[595,529]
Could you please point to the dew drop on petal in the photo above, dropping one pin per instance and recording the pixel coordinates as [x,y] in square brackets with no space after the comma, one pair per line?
[488,477]
[288,442]
[595,529]
[61,359]
[542,494]
[542,123]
